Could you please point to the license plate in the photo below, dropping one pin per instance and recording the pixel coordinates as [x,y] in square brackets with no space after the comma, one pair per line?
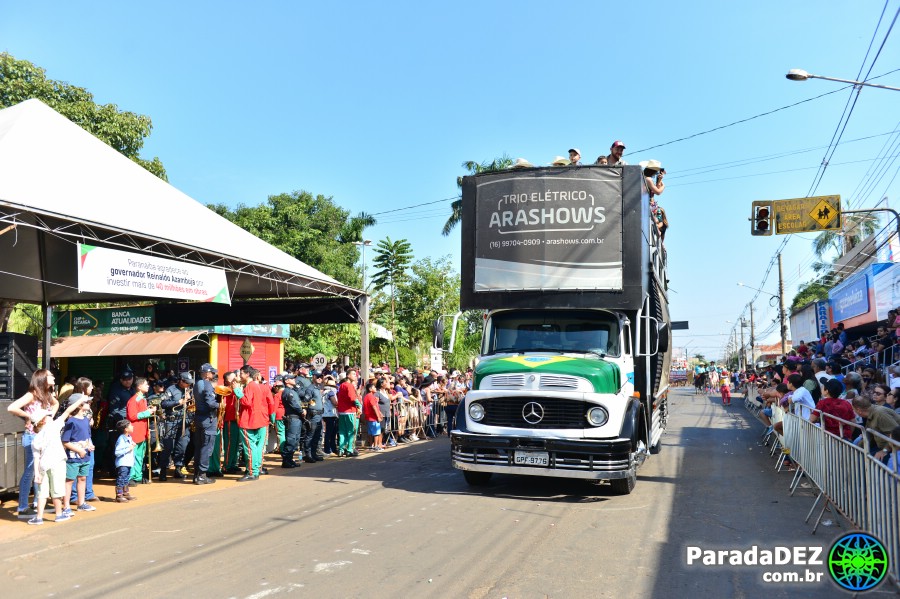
[532,458]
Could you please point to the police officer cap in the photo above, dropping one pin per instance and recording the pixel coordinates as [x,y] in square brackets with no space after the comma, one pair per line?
[126,374]
[316,374]
[278,379]
[186,377]
[208,368]
[289,376]
[160,383]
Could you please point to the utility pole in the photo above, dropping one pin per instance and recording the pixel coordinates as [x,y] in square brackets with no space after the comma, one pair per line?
[781,308]
[742,359]
[752,339]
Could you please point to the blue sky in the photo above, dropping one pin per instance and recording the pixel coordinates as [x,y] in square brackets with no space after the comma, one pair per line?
[379,104]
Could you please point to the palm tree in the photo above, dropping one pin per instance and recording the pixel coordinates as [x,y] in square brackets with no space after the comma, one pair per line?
[857,227]
[353,228]
[474,168]
[392,258]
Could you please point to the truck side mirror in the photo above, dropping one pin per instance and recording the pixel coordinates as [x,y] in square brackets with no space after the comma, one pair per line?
[664,337]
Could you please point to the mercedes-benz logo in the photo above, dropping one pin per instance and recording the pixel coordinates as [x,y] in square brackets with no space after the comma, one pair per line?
[533,412]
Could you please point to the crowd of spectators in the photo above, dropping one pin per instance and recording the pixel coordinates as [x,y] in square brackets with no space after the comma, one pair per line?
[66,427]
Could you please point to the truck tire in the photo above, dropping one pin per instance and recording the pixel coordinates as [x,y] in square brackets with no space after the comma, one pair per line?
[623,486]
[477,479]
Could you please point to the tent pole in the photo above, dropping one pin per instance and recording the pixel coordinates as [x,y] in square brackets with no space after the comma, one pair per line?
[48,318]
[364,336]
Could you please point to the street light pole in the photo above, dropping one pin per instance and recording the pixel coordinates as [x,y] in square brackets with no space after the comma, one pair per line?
[801,75]
[364,325]
[781,308]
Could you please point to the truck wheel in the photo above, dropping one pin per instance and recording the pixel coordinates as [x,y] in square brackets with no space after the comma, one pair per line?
[623,486]
[477,479]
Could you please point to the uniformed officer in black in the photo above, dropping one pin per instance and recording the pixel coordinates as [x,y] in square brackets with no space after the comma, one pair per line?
[206,422]
[304,387]
[293,421]
[119,394]
[315,409]
[173,441]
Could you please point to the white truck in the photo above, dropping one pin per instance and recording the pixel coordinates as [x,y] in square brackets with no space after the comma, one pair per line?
[572,379]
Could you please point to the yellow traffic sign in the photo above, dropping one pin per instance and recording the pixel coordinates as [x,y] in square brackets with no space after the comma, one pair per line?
[801,215]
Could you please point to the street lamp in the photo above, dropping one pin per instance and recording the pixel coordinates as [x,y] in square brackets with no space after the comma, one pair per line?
[801,75]
[363,245]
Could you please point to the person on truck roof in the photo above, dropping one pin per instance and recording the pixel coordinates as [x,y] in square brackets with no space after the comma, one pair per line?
[574,156]
[615,154]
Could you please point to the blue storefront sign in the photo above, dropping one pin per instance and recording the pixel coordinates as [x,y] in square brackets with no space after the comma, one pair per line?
[822,317]
[850,298]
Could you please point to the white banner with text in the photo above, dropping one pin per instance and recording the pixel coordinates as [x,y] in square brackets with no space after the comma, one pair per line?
[102,270]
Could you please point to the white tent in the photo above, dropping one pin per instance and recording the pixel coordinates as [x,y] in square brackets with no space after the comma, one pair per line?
[60,185]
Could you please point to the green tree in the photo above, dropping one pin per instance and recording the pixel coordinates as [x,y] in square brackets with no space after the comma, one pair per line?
[392,258]
[311,228]
[811,291]
[124,131]
[430,291]
[474,168]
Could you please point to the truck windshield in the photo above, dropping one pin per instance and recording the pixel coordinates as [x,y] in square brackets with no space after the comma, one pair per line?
[585,331]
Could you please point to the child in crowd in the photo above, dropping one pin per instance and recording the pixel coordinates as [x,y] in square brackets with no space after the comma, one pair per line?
[76,438]
[124,460]
[50,459]
[726,391]
[372,414]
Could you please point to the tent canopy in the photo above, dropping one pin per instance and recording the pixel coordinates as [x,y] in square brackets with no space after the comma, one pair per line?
[158,343]
[60,185]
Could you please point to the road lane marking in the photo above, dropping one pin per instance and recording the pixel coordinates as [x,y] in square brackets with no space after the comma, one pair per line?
[66,544]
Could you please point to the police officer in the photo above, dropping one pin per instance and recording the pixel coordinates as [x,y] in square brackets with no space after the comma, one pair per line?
[293,421]
[206,421]
[304,389]
[119,394]
[314,413]
[174,424]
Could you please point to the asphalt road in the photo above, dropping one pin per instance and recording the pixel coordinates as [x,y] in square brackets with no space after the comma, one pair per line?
[404,523]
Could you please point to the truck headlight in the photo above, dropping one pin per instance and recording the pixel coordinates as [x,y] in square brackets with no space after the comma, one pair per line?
[476,411]
[597,416]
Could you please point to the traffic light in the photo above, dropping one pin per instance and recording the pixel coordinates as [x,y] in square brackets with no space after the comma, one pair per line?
[761,223]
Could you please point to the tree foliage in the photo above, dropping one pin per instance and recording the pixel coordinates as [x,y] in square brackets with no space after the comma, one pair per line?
[857,227]
[474,168]
[124,131]
[392,258]
[809,292]
[312,229]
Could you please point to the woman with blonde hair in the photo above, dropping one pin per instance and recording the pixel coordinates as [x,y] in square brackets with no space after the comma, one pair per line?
[41,395]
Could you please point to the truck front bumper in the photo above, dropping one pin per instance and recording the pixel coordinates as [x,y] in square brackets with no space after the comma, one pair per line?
[568,458]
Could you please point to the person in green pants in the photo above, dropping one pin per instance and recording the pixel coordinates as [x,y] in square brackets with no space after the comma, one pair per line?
[279,413]
[349,408]
[253,421]
[138,413]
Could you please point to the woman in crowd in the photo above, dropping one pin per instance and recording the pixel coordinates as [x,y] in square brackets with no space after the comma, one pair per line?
[879,393]
[41,395]
[893,400]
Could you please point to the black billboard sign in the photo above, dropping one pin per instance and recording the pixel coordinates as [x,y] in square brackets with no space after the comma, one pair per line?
[549,229]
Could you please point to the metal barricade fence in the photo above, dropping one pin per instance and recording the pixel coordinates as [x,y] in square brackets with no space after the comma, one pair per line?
[858,486]
[884,504]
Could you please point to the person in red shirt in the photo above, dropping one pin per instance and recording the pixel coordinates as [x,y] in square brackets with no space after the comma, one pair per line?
[348,415]
[831,403]
[373,416]
[138,413]
[253,421]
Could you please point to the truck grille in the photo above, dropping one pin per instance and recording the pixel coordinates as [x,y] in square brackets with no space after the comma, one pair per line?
[557,413]
[553,381]
[516,381]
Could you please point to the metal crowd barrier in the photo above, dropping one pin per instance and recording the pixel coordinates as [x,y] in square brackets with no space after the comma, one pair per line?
[849,479]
